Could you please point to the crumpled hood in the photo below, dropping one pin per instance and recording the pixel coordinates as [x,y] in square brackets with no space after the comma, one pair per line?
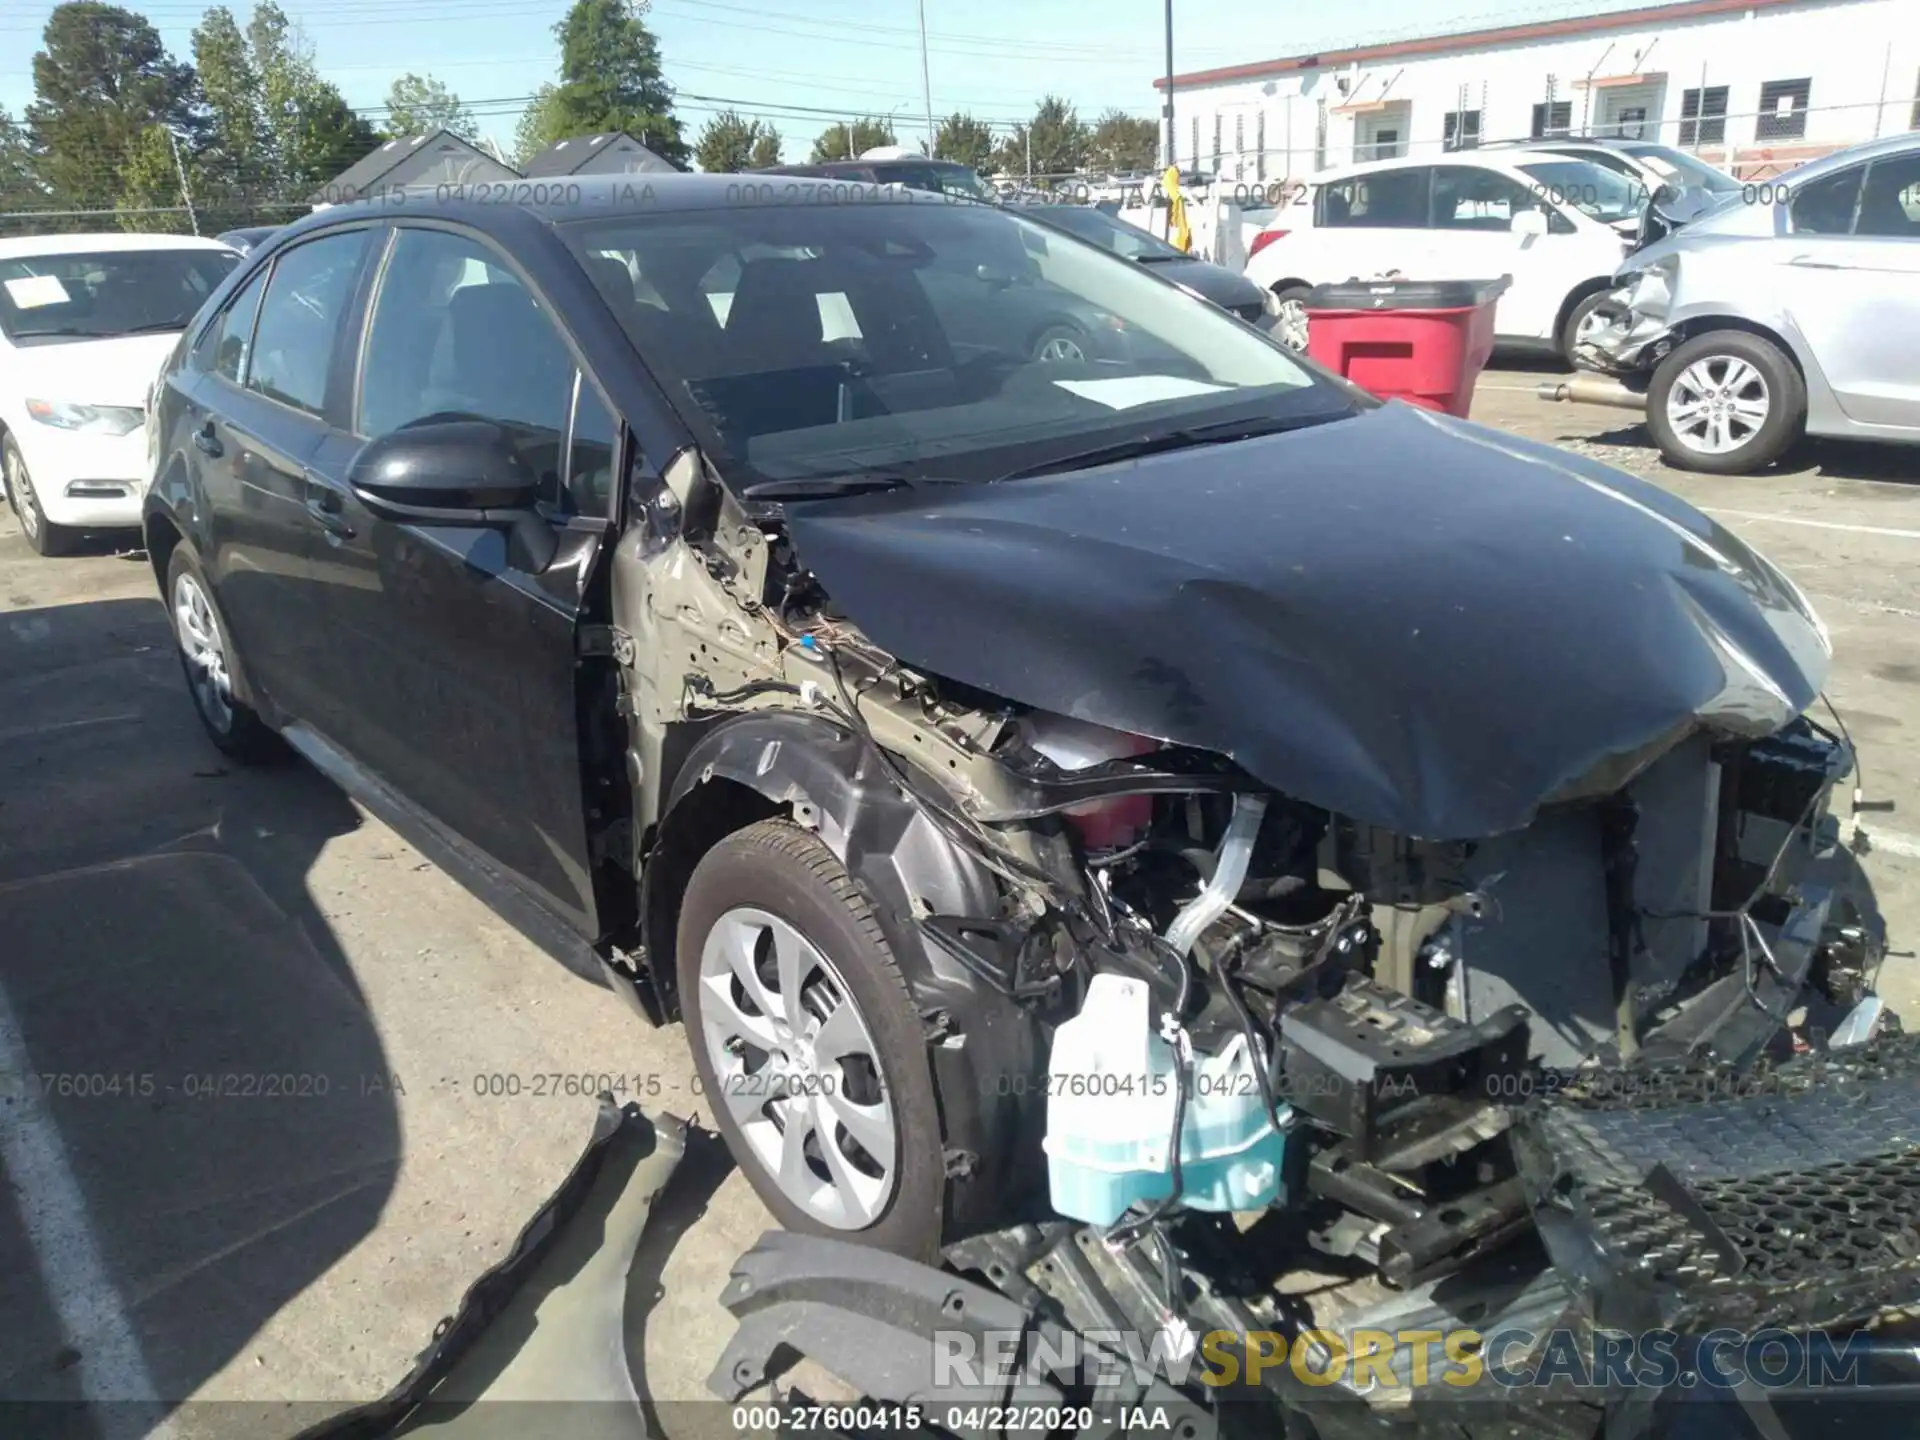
[1404,618]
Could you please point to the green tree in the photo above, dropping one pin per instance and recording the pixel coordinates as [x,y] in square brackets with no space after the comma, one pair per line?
[963,138]
[726,143]
[420,104]
[766,148]
[19,190]
[1058,142]
[848,139]
[610,79]
[1123,142]
[311,133]
[102,80]
[539,125]
[151,197]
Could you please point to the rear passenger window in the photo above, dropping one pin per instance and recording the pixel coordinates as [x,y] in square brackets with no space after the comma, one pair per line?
[1391,199]
[300,318]
[1890,199]
[223,349]
[1825,206]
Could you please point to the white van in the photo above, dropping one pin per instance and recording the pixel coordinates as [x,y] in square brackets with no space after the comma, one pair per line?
[1559,226]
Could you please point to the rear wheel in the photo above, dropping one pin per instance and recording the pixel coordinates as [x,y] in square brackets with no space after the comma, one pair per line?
[1726,403]
[1593,313]
[1060,345]
[1290,320]
[809,1049]
[42,534]
[207,659]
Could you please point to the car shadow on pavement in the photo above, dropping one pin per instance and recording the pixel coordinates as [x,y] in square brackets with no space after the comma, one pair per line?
[195,1114]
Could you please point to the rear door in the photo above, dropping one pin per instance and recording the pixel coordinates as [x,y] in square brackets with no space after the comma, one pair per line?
[461,666]
[1372,224]
[256,412]
[1851,281]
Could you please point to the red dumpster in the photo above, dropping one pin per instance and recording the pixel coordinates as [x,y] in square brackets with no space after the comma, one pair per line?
[1422,341]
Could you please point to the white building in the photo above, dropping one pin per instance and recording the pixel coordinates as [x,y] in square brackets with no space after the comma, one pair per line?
[1753,85]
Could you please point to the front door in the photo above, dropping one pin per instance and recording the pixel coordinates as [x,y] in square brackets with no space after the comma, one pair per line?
[1474,239]
[1850,280]
[459,663]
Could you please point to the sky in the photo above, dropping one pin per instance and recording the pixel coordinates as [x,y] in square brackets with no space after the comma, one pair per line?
[800,64]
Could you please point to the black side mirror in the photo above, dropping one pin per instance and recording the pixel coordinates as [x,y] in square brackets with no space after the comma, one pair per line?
[455,472]
[993,275]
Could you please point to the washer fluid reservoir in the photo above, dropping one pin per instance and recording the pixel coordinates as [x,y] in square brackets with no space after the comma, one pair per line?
[1110,1103]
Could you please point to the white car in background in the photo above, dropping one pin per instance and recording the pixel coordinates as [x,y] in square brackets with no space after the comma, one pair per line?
[85,321]
[1559,226]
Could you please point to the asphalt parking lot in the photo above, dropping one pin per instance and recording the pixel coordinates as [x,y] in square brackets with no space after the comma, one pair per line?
[259,1155]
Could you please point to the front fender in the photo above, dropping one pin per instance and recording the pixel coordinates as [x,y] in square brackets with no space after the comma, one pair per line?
[830,781]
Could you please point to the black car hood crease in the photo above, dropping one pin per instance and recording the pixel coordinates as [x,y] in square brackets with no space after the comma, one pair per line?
[1400,617]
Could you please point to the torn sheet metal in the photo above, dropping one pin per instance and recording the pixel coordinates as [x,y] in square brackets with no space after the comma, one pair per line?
[1400,617]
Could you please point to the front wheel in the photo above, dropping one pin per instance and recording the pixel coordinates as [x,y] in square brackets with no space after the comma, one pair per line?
[42,534]
[1290,317]
[810,1052]
[1060,345]
[1726,403]
[1592,315]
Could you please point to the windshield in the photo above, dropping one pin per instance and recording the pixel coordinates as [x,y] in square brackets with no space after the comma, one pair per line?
[1129,242]
[113,292]
[922,339]
[1588,188]
[1686,169]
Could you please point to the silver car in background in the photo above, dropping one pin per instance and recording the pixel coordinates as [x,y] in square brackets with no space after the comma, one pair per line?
[1789,308]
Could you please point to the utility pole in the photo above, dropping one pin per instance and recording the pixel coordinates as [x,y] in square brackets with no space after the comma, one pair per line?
[1171,153]
[180,169]
[926,84]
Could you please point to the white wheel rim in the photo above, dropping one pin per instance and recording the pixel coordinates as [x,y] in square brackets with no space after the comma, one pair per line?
[1718,404]
[206,656]
[1061,348]
[1290,325]
[797,1068]
[26,505]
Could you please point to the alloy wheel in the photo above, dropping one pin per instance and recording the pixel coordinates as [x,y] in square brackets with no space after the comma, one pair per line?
[797,1068]
[1718,404]
[206,655]
[26,505]
[1290,325]
[1061,349]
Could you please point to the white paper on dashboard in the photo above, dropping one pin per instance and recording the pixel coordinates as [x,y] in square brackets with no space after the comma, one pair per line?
[31,291]
[1126,391]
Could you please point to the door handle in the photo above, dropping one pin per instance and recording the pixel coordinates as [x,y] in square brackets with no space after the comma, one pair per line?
[207,442]
[324,505]
[1814,262]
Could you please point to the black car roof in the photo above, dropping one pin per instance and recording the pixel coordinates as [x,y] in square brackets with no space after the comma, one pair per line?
[600,197]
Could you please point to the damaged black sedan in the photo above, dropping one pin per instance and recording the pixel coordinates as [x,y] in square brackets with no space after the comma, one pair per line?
[1078,771]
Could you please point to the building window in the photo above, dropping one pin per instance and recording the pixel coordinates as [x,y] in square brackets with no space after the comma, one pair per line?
[1216,144]
[1783,110]
[1260,146]
[1553,120]
[1194,160]
[1462,130]
[1913,120]
[1240,134]
[1703,116]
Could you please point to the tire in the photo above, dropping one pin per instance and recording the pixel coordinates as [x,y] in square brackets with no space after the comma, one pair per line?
[1293,304]
[45,537]
[1577,317]
[1754,375]
[233,725]
[753,882]
[1061,345]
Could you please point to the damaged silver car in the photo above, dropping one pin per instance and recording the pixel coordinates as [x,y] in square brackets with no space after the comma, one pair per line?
[1752,318]
[1141,821]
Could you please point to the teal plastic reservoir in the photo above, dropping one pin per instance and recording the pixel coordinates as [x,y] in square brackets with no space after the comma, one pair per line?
[1110,1102]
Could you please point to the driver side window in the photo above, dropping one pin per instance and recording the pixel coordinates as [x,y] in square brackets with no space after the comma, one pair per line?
[454,333]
